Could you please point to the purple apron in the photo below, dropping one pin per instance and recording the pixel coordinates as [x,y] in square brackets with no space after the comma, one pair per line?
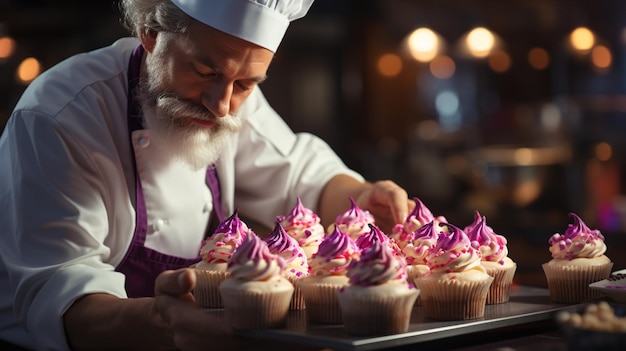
[142,265]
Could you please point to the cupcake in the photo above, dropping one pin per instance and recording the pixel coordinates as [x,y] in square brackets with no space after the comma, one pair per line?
[328,268]
[255,294]
[494,257]
[457,287]
[303,225]
[353,222]
[378,299]
[403,233]
[366,240]
[283,245]
[577,260]
[216,252]
[416,250]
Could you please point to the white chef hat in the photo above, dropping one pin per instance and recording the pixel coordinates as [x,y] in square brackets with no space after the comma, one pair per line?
[262,22]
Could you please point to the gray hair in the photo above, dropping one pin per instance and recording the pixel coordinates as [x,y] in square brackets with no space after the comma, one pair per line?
[140,16]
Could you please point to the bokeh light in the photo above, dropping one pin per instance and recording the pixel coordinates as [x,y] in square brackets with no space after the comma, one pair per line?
[423,44]
[603,151]
[442,67]
[28,70]
[582,39]
[601,56]
[389,65]
[7,47]
[538,58]
[480,41]
[499,61]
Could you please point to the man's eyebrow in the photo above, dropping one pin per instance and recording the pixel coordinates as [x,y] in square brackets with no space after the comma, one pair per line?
[258,80]
[207,62]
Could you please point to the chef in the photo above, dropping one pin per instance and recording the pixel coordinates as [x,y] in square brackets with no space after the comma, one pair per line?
[116,163]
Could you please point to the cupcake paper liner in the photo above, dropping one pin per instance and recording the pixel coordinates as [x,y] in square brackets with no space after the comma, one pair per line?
[570,284]
[206,292]
[297,300]
[413,273]
[500,288]
[376,315]
[322,305]
[256,310]
[453,299]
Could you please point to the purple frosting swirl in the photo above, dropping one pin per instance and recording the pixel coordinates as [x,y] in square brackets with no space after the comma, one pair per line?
[278,240]
[232,225]
[452,239]
[252,260]
[337,244]
[298,212]
[577,229]
[577,241]
[282,244]
[354,214]
[366,240]
[491,245]
[430,230]
[378,264]
[420,212]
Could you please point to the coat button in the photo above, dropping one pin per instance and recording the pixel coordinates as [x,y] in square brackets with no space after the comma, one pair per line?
[143,142]
[158,224]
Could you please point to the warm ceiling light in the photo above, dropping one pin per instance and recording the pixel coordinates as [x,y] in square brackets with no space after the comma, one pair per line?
[480,41]
[582,39]
[423,44]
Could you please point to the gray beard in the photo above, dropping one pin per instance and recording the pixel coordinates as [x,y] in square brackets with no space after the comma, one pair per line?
[181,140]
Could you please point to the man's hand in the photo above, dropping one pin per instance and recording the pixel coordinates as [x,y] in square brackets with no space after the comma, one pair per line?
[387,201]
[189,326]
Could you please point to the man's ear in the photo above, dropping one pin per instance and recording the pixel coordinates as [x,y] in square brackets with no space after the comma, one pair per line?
[148,39]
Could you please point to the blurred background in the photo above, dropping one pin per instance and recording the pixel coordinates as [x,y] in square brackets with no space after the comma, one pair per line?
[515,109]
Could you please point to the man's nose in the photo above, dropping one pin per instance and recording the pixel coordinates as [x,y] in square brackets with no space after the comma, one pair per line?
[217,99]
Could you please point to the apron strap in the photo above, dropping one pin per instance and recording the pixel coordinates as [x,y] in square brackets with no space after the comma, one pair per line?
[214,184]
[134,119]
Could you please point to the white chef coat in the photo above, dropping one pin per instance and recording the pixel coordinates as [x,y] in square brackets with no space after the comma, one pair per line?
[67,189]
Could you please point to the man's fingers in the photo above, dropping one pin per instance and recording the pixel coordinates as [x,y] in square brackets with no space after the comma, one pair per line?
[175,283]
[391,198]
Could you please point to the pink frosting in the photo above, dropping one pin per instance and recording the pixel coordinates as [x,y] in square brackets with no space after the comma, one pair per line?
[303,225]
[375,234]
[492,246]
[423,241]
[578,241]
[253,261]
[453,252]
[366,240]
[354,214]
[280,243]
[229,235]
[353,222]
[404,232]
[378,264]
[334,254]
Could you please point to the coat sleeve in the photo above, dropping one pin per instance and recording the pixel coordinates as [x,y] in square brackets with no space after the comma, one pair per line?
[53,244]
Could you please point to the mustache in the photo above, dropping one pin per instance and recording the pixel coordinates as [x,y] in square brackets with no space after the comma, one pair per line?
[172,106]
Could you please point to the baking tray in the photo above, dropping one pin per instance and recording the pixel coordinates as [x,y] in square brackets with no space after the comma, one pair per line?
[526,305]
